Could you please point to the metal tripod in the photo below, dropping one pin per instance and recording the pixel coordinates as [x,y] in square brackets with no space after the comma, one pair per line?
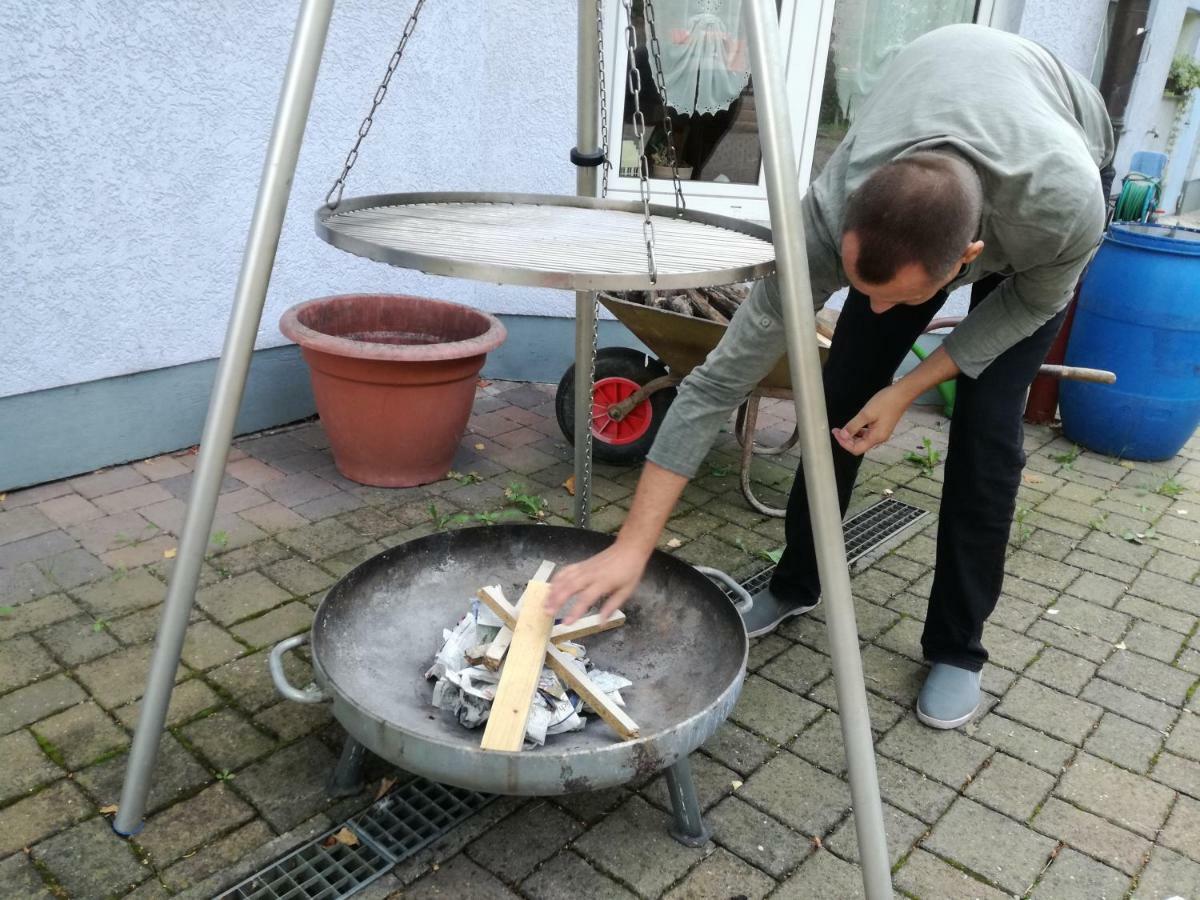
[783,193]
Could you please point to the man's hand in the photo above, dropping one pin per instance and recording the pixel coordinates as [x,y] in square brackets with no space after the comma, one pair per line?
[613,574]
[875,422]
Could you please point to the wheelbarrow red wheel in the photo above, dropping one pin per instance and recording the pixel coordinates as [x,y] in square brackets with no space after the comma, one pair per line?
[620,371]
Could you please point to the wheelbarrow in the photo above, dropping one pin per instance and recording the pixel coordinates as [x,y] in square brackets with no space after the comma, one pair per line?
[633,391]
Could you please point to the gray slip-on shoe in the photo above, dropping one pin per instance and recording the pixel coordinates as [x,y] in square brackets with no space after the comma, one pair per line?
[768,611]
[949,696]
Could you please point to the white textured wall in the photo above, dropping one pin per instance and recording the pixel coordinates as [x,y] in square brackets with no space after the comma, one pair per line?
[1070,29]
[133,137]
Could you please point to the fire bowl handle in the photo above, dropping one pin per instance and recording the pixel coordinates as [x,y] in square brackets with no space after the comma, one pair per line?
[746,602]
[310,694]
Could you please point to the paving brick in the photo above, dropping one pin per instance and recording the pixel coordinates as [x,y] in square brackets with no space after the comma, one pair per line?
[771,711]
[884,713]
[249,681]
[25,767]
[990,844]
[119,677]
[24,522]
[1148,676]
[205,645]
[1038,569]
[1090,618]
[91,862]
[35,549]
[138,627]
[107,481]
[1073,876]
[901,829]
[526,839]
[1103,565]
[30,820]
[1074,642]
[159,467]
[821,744]
[1057,714]
[1129,704]
[1179,773]
[176,774]
[1185,736]
[216,856]
[34,614]
[123,592]
[274,626]
[20,880]
[329,505]
[822,875]
[1010,786]
[188,700]
[764,649]
[737,748]
[1168,875]
[567,877]
[590,807]
[70,509]
[1007,648]
[295,489]
[77,640]
[924,875]
[132,498]
[240,597]
[895,677]
[321,540]
[1061,671]
[949,756]
[459,878]
[192,823]
[36,701]
[720,876]
[1097,589]
[632,844]
[1027,744]
[1167,591]
[798,794]
[80,735]
[756,837]
[799,669]
[1100,787]
[1182,831]
[1154,641]
[289,786]
[72,568]
[273,517]
[1111,547]
[22,660]
[1126,743]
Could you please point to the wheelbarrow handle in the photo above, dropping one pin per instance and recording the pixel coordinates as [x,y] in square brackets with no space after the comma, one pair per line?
[310,694]
[746,603]
[1078,373]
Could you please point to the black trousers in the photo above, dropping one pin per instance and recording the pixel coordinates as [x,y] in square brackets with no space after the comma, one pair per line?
[982,474]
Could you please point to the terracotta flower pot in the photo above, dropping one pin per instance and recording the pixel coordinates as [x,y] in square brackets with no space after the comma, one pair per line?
[394,379]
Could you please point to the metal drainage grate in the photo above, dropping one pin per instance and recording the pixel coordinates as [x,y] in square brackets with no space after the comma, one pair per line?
[315,871]
[864,532]
[415,815]
[390,830]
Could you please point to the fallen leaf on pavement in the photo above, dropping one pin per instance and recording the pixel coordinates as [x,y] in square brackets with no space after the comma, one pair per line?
[170,554]
[345,836]
[569,484]
[109,810]
[674,543]
[1030,478]
[480,447]
[735,784]
[385,786]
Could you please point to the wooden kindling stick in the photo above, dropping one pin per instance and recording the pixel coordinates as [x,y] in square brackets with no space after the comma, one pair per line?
[563,666]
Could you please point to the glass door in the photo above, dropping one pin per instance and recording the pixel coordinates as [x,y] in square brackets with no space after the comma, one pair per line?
[706,70]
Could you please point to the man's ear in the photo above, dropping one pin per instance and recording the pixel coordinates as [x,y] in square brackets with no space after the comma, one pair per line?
[972,252]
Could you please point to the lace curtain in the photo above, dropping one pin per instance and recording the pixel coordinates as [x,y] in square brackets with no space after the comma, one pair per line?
[867,33]
[705,65]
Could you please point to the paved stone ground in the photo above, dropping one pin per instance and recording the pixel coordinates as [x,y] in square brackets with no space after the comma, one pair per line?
[1081,780]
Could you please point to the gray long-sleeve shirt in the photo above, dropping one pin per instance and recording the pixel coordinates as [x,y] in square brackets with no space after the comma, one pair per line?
[1036,132]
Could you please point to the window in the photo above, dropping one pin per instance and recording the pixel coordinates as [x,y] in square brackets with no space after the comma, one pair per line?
[834,54]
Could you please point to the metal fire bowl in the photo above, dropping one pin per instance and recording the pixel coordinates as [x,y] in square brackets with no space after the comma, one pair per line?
[683,646]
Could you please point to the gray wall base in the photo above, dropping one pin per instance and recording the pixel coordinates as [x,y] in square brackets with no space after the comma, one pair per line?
[56,433]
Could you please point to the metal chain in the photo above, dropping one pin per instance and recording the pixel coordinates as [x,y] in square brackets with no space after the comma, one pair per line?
[661,85]
[603,100]
[639,131]
[334,197]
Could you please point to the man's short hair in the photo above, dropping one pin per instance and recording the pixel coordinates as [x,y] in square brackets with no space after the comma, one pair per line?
[924,208]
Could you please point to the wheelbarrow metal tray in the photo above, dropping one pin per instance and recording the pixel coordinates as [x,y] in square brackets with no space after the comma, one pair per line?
[683,646]
[683,342]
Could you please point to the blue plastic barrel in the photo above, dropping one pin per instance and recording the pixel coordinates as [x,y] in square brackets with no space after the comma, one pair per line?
[1138,316]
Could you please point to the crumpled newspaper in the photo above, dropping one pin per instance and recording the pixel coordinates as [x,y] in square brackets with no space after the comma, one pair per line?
[464,692]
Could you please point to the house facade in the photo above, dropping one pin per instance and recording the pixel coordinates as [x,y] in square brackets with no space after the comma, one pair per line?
[136,133]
